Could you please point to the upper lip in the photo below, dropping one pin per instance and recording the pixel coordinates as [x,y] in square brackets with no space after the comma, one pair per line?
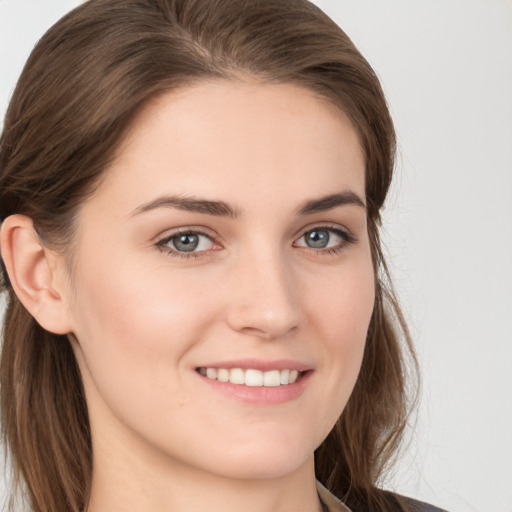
[259,364]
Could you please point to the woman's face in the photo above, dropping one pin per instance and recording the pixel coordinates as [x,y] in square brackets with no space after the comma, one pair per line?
[227,242]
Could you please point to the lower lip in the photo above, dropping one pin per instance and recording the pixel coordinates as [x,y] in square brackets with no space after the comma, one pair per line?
[260,395]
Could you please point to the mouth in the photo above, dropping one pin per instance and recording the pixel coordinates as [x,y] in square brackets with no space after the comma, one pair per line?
[252,377]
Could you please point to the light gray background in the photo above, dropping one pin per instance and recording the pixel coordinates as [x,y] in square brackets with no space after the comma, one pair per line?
[446,66]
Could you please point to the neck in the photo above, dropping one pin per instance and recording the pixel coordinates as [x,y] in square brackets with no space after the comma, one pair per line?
[129,480]
[191,490]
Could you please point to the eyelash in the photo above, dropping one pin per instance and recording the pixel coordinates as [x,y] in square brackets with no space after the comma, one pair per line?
[162,244]
[347,239]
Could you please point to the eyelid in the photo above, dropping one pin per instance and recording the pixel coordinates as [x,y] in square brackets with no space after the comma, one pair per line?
[348,238]
[338,228]
[183,230]
[166,238]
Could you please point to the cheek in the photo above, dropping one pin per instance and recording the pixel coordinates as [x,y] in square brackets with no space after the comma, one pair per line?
[133,328]
[134,331]
[343,317]
[136,307]
[345,306]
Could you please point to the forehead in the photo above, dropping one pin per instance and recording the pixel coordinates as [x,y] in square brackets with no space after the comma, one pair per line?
[243,140]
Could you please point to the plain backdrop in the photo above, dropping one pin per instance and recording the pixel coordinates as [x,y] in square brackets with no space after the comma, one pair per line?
[446,67]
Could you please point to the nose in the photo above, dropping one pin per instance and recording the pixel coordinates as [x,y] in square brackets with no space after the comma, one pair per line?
[264,300]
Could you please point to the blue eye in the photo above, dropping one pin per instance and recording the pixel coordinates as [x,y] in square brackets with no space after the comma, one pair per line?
[189,242]
[317,239]
[186,243]
[320,238]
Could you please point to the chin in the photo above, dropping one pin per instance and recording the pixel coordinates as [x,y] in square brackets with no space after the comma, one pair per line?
[265,462]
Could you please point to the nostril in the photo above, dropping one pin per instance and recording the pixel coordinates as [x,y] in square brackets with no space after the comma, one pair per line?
[263,321]
[253,331]
[271,333]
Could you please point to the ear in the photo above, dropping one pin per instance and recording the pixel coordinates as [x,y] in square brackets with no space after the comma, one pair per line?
[37,274]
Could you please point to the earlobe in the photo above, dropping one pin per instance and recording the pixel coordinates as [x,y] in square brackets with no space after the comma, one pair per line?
[34,273]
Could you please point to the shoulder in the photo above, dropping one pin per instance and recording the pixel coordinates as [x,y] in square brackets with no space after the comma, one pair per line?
[420,506]
[333,504]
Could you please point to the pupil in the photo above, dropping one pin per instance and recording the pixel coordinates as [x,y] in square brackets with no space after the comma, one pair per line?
[317,239]
[186,243]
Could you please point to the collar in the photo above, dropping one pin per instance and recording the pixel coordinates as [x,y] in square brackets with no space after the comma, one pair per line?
[329,501]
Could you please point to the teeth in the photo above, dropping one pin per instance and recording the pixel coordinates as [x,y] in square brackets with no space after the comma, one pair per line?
[250,377]
[272,378]
[222,375]
[211,373]
[236,376]
[253,378]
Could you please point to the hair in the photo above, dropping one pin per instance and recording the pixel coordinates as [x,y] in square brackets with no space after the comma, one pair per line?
[81,87]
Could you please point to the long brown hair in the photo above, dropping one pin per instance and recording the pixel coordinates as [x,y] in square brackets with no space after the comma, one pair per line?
[81,87]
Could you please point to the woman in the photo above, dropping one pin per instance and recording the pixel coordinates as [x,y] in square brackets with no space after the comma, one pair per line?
[199,314]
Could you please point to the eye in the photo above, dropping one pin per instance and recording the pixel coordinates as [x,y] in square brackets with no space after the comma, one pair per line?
[187,243]
[328,238]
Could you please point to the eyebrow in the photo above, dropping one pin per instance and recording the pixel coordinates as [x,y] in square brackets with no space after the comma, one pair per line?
[222,209]
[323,204]
[191,204]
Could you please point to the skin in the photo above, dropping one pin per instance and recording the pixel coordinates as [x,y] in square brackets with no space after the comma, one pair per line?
[142,318]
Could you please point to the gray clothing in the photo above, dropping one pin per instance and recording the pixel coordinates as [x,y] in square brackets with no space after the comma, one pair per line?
[334,504]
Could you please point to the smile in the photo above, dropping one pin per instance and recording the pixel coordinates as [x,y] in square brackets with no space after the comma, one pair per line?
[252,377]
